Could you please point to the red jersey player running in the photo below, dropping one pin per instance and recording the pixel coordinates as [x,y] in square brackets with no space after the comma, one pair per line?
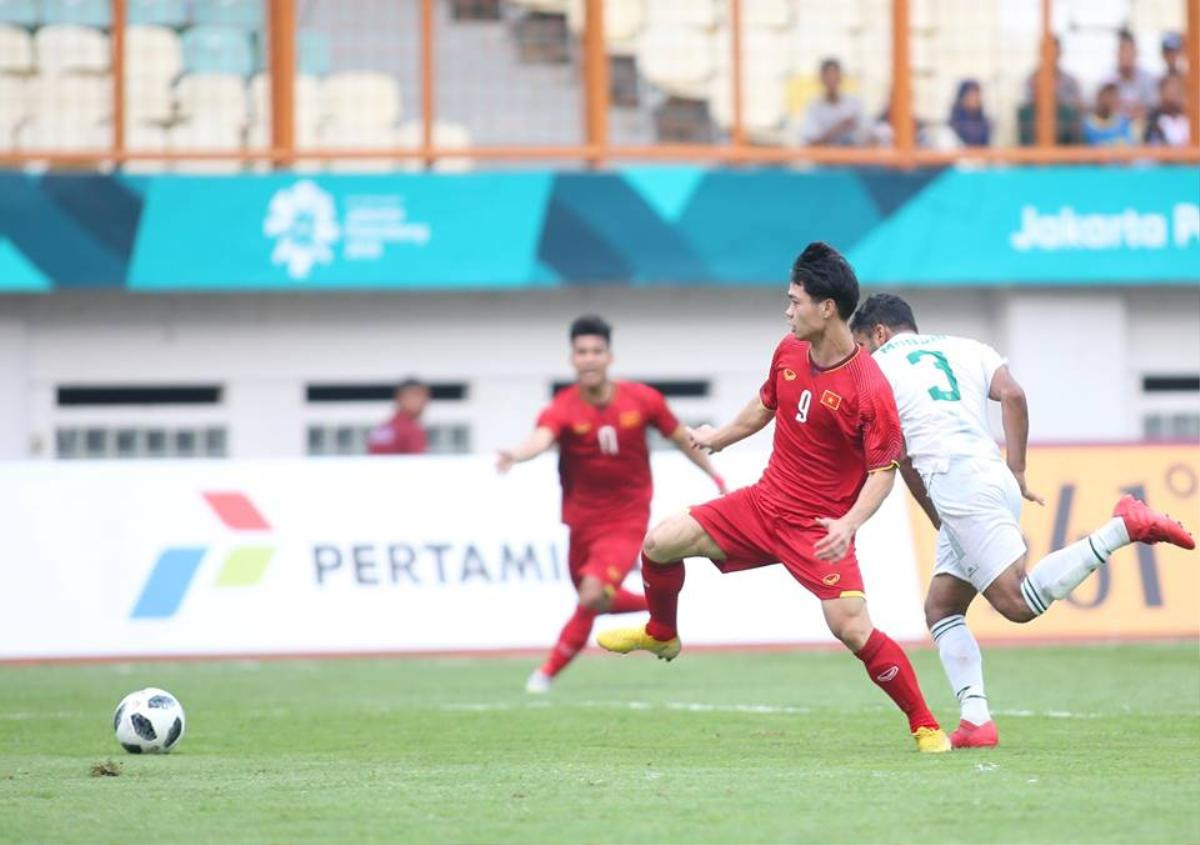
[837,446]
[604,463]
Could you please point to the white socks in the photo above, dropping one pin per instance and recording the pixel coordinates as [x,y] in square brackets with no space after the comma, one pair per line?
[964,666]
[1058,573]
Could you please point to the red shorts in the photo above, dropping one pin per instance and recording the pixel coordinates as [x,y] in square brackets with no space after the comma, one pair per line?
[605,551]
[752,536]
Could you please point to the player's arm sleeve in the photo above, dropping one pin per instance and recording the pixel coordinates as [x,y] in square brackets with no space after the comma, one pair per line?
[766,394]
[659,413]
[990,362]
[550,418]
[883,440]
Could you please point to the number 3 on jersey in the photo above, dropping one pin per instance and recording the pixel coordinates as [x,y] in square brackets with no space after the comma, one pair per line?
[939,361]
[803,405]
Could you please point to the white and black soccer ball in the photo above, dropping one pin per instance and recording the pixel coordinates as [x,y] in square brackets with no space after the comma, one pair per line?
[149,721]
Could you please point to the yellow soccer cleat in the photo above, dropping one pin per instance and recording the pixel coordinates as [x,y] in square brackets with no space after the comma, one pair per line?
[931,740]
[625,640]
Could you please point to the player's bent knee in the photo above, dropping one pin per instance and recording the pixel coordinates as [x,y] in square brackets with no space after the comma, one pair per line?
[1011,605]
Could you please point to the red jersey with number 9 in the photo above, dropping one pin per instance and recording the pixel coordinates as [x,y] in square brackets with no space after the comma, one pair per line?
[832,427]
[604,462]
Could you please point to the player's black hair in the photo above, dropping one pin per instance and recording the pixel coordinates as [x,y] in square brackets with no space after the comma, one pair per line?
[410,382]
[825,274]
[883,309]
[1124,35]
[590,324]
[829,63]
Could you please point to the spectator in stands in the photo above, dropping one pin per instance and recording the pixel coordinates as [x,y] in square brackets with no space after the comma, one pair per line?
[403,434]
[1137,92]
[1066,87]
[967,119]
[1173,56]
[1167,124]
[833,119]
[1105,125]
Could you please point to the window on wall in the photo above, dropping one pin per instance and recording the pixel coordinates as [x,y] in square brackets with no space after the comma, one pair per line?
[1171,407]
[138,421]
[342,414]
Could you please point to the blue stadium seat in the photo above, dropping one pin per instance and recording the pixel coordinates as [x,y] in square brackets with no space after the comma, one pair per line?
[19,12]
[172,13]
[97,13]
[313,53]
[217,49]
[247,14]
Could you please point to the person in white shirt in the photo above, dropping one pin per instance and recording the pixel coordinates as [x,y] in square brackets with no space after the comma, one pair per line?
[972,495]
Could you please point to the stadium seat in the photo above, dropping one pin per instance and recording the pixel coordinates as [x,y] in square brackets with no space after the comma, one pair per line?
[149,99]
[773,14]
[48,133]
[554,7]
[212,98]
[79,99]
[361,98]
[313,53]
[19,12]
[67,48]
[679,60]
[764,104]
[671,14]
[205,135]
[361,137]
[14,107]
[307,102]
[451,136]
[623,21]
[16,50]
[153,51]
[766,53]
[145,138]
[217,49]
[245,14]
[96,13]
[172,13]
[1106,14]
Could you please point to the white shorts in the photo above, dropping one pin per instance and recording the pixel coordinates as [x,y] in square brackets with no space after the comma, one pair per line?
[979,503]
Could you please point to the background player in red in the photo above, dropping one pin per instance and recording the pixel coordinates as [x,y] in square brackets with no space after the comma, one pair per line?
[604,463]
[836,450]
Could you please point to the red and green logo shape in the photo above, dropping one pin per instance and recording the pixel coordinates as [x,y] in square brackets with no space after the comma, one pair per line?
[176,567]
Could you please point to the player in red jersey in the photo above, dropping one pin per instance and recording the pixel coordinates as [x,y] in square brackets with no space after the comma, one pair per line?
[604,463]
[837,447]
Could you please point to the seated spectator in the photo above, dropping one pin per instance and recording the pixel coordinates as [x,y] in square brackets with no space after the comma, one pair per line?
[967,119]
[1136,89]
[833,119]
[1105,126]
[1167,125]
[1173,56]
[1066,87]
[402,434]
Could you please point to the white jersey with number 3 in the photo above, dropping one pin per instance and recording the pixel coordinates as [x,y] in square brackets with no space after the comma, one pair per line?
[941,386]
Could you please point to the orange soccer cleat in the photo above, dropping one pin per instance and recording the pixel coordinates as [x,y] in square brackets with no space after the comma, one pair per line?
[1146,525]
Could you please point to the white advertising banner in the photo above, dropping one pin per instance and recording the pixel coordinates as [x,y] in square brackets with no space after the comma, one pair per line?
[127,559]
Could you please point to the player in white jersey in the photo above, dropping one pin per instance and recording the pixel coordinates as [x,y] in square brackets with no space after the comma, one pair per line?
[973,495]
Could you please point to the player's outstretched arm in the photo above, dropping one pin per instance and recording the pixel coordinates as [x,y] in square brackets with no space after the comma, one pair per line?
[683,442]
[839,532]
[1014,411]
[916,486]
[540,441]
[750,420]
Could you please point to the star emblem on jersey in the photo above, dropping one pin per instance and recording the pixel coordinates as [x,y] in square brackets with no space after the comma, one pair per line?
[831,400]
[581,428]
[789,375]
[630,419]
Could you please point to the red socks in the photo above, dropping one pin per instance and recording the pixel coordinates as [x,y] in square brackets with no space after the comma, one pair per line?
[663,581]
[624,601]
[571,641]
[889,668]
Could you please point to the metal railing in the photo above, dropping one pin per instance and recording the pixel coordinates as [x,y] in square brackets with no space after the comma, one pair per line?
[595,147]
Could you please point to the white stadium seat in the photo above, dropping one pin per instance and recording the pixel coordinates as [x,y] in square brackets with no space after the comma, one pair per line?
[306,102]
[448,136]
[16,50]
[623,21]
[766,53]
[64,135]
[702,14]
[153,52]
[361,98]
[358,136]
[774,14]
[66,48]
[14,108]
[148,99]
[212,98]
[205,135]
[146,138]
[679,60]
[764,103]
[86,99]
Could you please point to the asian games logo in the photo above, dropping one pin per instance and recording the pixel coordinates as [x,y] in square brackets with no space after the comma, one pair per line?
[176,567]
[303,221]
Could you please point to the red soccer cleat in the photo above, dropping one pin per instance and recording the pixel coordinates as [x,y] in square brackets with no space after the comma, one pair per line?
[970,735]
[1146,525]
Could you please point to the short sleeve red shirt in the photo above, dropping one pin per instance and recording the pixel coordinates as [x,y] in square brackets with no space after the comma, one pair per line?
[832,427]
[401,435]
[604,462]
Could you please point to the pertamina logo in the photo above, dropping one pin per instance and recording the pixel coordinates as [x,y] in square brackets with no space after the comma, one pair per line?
[176,566]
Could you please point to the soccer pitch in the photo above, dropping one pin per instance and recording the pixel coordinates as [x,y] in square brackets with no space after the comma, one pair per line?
[1098,744]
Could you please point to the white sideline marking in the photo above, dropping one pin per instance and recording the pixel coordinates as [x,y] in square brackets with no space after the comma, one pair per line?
[687,706]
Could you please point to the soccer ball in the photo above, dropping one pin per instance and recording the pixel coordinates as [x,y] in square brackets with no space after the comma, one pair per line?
[149,721]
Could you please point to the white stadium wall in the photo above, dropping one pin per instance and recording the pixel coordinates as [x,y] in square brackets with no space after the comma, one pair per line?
[1080,354]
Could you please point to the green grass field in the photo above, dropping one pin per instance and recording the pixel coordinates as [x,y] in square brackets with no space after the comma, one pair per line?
[1099,744]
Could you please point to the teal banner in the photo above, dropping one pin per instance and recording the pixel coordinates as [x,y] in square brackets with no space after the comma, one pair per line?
[636,226]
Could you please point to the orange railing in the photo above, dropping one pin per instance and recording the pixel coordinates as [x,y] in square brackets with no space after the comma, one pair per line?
[595,147]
